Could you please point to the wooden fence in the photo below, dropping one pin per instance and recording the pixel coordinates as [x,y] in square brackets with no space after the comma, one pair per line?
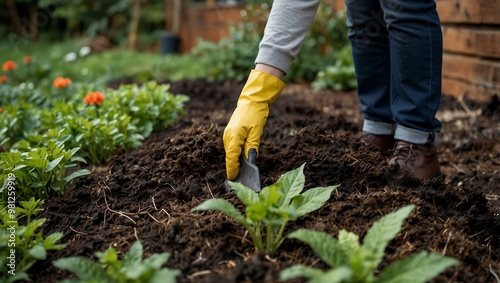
[471,38]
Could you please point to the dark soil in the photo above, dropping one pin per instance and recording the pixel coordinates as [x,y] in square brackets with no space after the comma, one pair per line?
[147,193]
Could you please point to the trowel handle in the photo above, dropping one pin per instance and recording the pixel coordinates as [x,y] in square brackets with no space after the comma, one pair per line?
[252,155]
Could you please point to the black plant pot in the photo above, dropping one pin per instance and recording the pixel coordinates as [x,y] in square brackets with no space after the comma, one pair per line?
[169,43]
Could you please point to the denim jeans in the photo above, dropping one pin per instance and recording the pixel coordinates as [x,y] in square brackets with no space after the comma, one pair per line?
[397,50]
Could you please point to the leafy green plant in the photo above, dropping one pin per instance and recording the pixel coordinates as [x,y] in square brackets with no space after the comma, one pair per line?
[352,262]
[39,172]
[99,138]
[340,75]
[22,246]
[16,121]
[151,106]
[268,212]
[110,269]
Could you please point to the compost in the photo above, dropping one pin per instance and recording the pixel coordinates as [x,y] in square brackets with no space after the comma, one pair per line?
[147,193]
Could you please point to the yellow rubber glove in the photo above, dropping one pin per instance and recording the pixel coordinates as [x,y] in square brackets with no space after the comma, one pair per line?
[246,125]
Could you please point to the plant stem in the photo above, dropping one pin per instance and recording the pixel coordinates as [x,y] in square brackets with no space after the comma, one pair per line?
[256,239]
[269,238]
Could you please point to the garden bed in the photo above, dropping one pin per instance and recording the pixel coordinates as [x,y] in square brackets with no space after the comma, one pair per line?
[147,193]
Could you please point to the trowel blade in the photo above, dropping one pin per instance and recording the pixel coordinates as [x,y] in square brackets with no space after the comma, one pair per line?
[249,172]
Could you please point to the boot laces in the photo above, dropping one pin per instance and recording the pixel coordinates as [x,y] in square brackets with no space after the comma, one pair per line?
[405,153]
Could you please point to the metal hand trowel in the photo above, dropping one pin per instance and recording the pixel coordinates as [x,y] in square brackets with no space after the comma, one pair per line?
[249,172]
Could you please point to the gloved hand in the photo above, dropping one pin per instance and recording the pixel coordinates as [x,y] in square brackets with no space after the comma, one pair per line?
[246,125]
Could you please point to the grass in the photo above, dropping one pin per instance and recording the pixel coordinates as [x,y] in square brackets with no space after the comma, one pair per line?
[101,67]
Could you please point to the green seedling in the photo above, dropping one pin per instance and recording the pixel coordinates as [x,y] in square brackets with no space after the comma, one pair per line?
[268,212]
[352,262]
[22,246]
[38,172]
[132,269]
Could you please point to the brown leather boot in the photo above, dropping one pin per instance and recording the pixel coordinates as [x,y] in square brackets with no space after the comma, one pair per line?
[383,142]
[421,161]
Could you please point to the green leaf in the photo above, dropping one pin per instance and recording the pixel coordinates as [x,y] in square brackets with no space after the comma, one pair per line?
[336,275]
[313,199]
[223,206]
[50,241]
[83,268]
[53,164]
[109,257]
[324,245]
[244,193]
[38,252]
[156,260]
[348,243]
[18,276]
[418,268]
[165,276]
[133,256]
[31,227]
[383,231]
[256,212]
[270,195]
[134,271]
[292,184]
[76,174]
[36,163]
[299,270]
[78,159]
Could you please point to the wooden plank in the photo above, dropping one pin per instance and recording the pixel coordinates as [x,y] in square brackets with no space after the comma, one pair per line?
[459,67]
[476,92]
[469,11]
[459,40]
[488,43]
[472,41]
[488,72]
[471,69]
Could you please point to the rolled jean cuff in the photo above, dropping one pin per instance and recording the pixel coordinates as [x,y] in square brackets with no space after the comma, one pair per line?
[378,128]
[415,136]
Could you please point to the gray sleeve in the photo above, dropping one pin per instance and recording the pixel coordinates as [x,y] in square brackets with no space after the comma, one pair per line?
[286,28]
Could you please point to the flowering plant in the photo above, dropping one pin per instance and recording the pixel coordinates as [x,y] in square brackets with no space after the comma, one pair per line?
[94,98]
[9,66]
[61,82]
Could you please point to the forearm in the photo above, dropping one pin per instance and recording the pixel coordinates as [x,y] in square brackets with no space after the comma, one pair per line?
[270,70]
[286,28]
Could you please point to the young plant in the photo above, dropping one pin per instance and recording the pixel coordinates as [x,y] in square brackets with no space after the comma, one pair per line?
[132,269]
[352,262]
[100,137]
[39,172]
[151,105]
[268,212]
[21,246]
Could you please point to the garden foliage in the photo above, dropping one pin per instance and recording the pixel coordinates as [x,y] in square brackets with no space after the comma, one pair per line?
[351,261]
[268,212]
[325,50]
[132,269]
[29,246]
[49,128]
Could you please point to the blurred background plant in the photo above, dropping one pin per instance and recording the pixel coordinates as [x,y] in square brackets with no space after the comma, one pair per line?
[103,41]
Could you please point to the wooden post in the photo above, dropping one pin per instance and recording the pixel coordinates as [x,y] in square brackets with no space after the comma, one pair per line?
[176,16]
[168,14]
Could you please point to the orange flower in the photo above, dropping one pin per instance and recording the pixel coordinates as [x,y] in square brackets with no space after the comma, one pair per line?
[27,60]
[1,109]
[94,98]
[61,82]
[3,79]
[9,66]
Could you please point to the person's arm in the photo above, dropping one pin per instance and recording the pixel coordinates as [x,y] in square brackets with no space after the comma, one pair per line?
[286,28]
